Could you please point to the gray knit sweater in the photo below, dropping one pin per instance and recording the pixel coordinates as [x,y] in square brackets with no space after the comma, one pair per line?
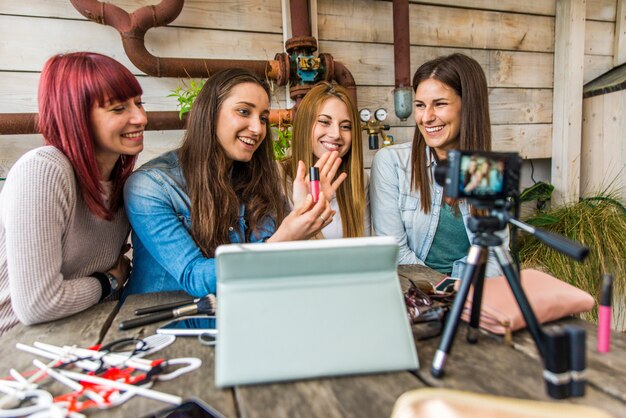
[50,242]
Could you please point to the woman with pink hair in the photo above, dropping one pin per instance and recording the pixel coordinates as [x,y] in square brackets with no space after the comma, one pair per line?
[63,229]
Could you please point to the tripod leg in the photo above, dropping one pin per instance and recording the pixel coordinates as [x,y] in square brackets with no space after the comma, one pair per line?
[476,256]
[505,261]
[477,299]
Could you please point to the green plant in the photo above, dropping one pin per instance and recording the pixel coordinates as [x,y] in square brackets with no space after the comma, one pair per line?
[598,222]
[185,95]
[540,192]
[281,141]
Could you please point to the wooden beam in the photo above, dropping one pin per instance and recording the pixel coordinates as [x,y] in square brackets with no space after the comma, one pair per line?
[569,52]
[619,47]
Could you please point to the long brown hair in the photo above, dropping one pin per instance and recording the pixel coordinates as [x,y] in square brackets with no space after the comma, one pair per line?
[351,193]
[69,87]
[465,76]
[217,189]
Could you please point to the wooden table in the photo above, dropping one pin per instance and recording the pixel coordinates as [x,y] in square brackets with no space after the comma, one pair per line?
[487,367]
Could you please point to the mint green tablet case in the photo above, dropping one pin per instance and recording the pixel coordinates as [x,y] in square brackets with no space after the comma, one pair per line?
[308,309]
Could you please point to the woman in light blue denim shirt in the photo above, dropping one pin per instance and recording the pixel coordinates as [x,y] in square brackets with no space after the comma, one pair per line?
[222,186]
[451,112]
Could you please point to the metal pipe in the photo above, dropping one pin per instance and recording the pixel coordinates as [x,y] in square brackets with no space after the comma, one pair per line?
[18,123]
[165,121]
[300,24]
[26,123]
[282,117]
[134,26]
[344,78]
[401,43]
[176,67]
[402,59]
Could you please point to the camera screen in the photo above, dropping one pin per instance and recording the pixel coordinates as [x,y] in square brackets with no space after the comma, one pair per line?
[481,176]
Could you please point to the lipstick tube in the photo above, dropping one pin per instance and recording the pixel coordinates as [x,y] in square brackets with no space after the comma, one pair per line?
[314,179]
[577,364]
[556,372]
[604,314]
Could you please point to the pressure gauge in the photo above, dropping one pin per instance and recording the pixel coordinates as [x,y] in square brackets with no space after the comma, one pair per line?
[365,115]
[380,114]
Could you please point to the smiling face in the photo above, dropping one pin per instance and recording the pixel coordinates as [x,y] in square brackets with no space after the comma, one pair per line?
[332,130]
[242,121]
[438,115]
[118,129]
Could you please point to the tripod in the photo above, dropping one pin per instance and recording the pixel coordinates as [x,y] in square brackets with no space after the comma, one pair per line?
[474,272]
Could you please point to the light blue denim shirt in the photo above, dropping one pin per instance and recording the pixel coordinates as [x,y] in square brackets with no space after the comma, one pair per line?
[165,256]
[396,209]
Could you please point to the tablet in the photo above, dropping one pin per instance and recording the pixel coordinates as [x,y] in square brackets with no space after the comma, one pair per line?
[307,309]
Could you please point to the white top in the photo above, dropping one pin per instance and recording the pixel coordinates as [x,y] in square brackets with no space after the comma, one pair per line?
[335,228]
[50,242]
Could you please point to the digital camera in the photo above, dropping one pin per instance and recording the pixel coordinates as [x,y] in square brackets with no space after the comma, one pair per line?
[480,176]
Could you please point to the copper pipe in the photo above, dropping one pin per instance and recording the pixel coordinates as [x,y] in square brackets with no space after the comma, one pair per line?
[403,93]
[141,19]
[281,117]
[165,121]
[300,24]
[401,43]
[26,123]
[133,28]
[344,77]
[18,123]
[178,67]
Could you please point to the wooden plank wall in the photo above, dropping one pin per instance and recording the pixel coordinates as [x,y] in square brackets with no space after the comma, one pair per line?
[512,39]
[603,156]
[34,30]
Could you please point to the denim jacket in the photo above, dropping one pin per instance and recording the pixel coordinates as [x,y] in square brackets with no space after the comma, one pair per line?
[396,209]
[165,256]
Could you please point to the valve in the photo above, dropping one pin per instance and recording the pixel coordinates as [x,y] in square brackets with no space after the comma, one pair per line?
[308,67]
[375,127]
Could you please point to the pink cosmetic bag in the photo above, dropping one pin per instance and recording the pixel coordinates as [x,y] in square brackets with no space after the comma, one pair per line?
[549,297]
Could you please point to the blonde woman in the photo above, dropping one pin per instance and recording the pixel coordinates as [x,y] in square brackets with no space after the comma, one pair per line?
[327,134]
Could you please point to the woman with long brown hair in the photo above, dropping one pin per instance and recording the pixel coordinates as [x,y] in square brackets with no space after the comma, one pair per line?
[222,186]
[327,123]
[451,112]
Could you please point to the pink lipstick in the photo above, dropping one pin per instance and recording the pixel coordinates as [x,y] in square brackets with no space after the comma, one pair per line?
[604,314]
[314,179]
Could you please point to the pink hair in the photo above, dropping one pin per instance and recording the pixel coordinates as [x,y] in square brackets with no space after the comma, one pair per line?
[69,87]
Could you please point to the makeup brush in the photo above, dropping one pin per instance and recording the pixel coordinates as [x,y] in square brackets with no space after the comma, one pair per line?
[165,306]
[205,305]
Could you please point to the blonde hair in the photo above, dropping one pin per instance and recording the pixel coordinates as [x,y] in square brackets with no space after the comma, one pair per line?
[351,193]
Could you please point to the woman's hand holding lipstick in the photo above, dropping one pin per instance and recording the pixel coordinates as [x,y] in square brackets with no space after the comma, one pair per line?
[329,181]
[305,221]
